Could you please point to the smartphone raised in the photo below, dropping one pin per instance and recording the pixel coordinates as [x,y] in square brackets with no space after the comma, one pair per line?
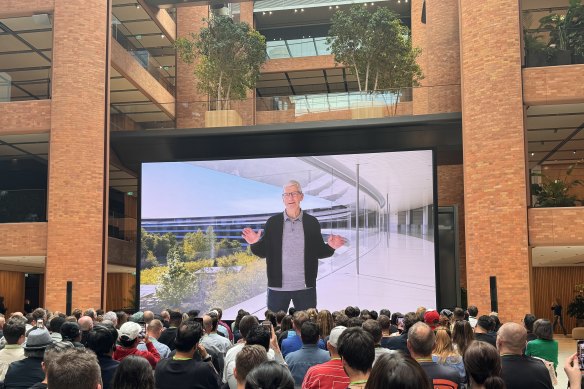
[400,323]
[40,323]
[580,352]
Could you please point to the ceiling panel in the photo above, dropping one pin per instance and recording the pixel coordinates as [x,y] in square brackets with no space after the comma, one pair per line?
[538,135]
[308,81]
[21,24]
[538,146]
[305,74]
[130,96]
[40,40]
[6,151]
[120,84]
[24,60]
[10,43]
[149,117]
[44,137]
[35,148]
[273,76]
[130,12]
[272,83]
[142,27]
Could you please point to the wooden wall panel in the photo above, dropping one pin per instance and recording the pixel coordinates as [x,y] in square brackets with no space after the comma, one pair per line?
[119,290]
[12,288]
[552,282]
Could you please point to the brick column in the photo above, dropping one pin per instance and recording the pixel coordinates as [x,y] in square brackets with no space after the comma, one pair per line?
[190,103]
[247,107]
[78,156]
[495,195]
[419,39]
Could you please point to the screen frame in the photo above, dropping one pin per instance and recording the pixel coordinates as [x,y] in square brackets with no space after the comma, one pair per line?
[380,150]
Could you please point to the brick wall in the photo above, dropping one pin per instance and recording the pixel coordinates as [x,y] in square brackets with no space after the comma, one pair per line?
[318,62]
[23,239]
[556,226]
[78,172]
[451,192]
[494,157]
[553,85]
[25,117]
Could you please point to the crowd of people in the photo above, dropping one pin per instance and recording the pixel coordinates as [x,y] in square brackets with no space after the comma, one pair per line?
[306,349]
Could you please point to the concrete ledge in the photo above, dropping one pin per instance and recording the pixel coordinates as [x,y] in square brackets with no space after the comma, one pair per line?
[25,117]
[23,239]
[21,8]
[556,226]
[553,85]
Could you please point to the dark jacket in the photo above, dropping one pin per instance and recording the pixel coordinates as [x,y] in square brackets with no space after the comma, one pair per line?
[270,247]
[24,373]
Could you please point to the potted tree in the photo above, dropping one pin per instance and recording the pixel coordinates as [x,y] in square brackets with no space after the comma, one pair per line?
[228,56]
[565,33]
[536,51]
[576,309]
[555,192]
[377,49]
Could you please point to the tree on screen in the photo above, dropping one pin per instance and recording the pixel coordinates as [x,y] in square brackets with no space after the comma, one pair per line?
[177,283]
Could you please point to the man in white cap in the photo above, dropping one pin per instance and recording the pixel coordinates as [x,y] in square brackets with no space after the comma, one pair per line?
[130,334]
[329,374]
[28,371]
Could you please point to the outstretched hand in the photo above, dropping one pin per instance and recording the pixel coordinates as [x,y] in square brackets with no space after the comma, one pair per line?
[250,235]
[336,241]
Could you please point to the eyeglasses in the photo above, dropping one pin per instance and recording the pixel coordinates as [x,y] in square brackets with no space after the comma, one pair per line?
[291,194]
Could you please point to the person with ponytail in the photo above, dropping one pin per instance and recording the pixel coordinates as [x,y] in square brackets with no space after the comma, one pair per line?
[483,366]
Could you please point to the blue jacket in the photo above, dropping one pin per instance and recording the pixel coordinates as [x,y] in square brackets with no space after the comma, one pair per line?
[300,361]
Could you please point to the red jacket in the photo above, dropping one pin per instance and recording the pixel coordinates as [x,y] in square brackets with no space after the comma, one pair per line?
[151,355]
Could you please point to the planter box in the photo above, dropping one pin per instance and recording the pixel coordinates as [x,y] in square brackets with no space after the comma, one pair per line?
[369,110]
[223,118]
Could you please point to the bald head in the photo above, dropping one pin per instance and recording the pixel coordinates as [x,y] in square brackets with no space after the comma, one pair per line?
[148,316]
[511,338]
[421,340]
[85,323]
[210,323]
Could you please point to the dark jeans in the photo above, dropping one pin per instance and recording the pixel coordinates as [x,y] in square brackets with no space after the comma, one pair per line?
[556,318]
[302,299]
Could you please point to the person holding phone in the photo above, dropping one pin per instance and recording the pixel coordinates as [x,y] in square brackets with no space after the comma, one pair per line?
[129,337]
[292,244]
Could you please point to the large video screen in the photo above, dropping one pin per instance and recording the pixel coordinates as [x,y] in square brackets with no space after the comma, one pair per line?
[366,240]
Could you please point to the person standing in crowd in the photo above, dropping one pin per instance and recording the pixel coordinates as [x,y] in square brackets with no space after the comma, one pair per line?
[190,367]
[212,339]
[445,354]
[102,340]
[558,316]
[292,244]
[309,355]
[357,351]
[247,359]
[483,330]
[28,371]
[130,335]
[3,308]
[396,370]
[462,335]
[14,334]
[168,335]
[544,346]
[74,368]
[133,372]
[27,306]
[519,371]
[473,312]
[421,340]
[483,365]
[329,374]
[269,374]
[373,327]
[153,332]
[528,321]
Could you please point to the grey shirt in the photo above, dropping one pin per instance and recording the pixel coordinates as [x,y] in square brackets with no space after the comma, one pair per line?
[292,254]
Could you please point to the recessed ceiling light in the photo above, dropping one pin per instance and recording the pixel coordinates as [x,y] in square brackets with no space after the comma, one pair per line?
[295,10]
[162,36]
[270,12]
[263,13]
[532,154]
[301,9]
[137,6]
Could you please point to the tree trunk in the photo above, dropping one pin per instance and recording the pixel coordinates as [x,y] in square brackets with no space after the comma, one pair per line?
[219,105]
[396,101]
[367,76]
[357,75]
[228,97]
[376,79]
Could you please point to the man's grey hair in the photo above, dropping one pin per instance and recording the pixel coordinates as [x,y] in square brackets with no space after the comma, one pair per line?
[293,183]
[111,316]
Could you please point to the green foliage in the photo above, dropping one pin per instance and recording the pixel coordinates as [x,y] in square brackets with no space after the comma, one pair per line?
[566,31]
[576,307]
[195,245]
[228,57]
[376,46]
[249,282]
[156,245]
[555,192]
[176,283]
[178,252]
[150,260]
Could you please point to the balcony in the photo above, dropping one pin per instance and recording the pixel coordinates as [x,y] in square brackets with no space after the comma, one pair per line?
[296,48]
[553,36]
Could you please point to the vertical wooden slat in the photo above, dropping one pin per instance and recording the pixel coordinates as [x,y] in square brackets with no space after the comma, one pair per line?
[12,288]
[119,286]
[550,283]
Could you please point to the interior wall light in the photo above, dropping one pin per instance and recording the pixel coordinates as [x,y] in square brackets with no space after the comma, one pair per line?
[301,9]
[162,36]
[263,13]
[295,10]
[270,12]
[137,6]
[532,154]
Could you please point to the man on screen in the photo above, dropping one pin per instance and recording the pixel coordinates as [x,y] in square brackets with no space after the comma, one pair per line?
[292,245]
